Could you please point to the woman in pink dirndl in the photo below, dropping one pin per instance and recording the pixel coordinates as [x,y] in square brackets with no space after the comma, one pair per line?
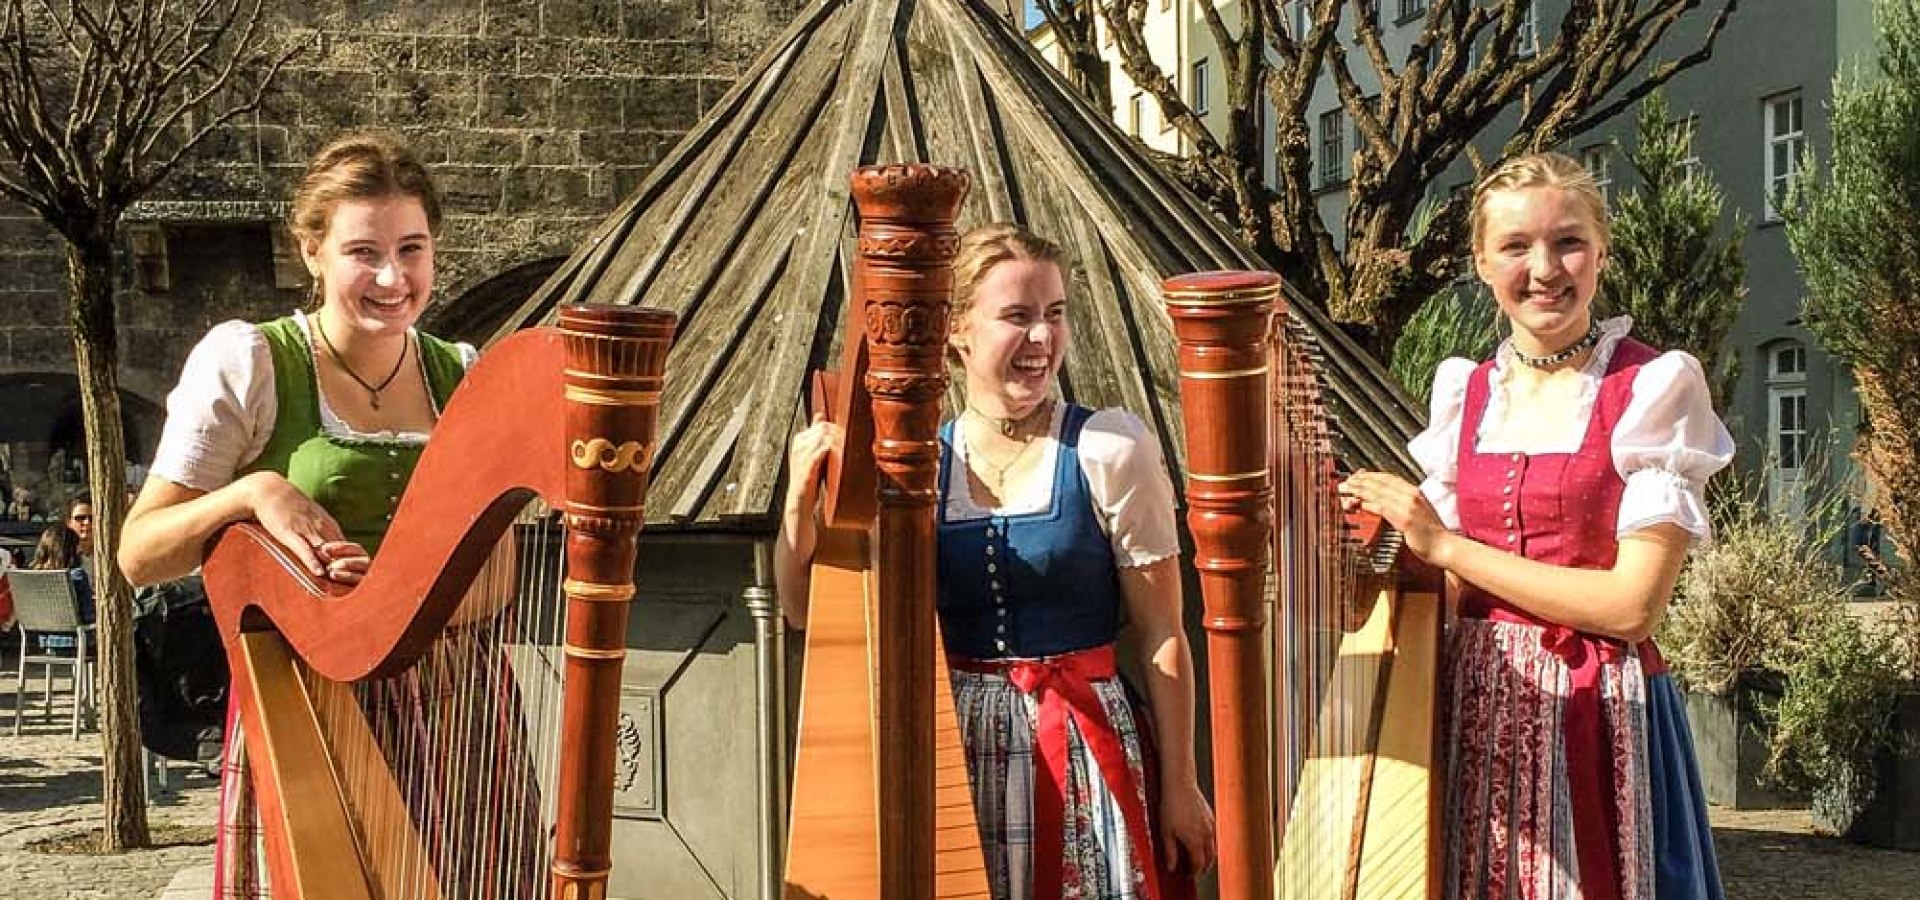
[1563,487]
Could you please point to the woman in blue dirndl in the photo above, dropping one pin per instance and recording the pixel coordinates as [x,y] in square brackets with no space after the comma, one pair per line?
[1055,523]
[1563,486]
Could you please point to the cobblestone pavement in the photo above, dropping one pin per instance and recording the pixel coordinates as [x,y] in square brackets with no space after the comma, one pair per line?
[50,787]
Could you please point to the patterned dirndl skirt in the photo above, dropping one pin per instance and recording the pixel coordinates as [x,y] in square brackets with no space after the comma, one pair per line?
[1517,694]
[999,727]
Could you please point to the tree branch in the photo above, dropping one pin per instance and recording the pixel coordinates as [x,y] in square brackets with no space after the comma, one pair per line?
[1126,22]
[219,82]
[159,173]
[1660,75]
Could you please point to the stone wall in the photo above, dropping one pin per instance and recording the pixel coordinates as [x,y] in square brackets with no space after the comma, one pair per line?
[537,116]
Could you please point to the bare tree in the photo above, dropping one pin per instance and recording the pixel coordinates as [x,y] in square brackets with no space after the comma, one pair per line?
[99,101]
[1471,62]
[1075,26]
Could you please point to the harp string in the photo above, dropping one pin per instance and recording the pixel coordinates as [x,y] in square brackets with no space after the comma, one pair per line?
[1323,705]
[446,765]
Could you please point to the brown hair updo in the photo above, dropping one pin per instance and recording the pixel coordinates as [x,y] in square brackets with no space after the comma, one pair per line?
[1535,170]
[362,166]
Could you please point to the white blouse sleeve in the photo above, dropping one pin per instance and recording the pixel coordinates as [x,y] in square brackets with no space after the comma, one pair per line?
[1131,491]
[221,414]
[1666,444]
[1437,449]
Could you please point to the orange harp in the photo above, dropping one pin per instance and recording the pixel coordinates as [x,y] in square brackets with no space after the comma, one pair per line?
[447,728]
[881,806]
[1322,639]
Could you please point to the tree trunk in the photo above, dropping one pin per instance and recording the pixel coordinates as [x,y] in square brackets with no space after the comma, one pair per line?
[96,347]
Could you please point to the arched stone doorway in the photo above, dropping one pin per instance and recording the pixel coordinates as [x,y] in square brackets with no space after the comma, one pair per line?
[477,314]
[43,438]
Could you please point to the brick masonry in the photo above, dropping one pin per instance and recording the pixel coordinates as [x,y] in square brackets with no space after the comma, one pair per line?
[537,116]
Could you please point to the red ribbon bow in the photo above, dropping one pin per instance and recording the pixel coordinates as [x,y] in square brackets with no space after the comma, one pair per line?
[1062,687]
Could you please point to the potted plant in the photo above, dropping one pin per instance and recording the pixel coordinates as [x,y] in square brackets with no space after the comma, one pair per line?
[1737,603]
[1846,726]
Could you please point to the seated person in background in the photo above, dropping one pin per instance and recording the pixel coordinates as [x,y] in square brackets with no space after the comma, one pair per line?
[79,520]
[59,548]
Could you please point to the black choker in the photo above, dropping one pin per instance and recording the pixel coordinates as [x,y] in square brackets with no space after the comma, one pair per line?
[1557,357]
[1007,427]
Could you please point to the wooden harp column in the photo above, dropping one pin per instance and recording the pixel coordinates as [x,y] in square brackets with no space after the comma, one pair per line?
[905,280]
[880,807]
[616,360]
[1322,754]
[1221,320]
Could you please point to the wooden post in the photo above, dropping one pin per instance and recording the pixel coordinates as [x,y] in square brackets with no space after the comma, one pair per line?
[903,271]
[1222,321]
[615,358]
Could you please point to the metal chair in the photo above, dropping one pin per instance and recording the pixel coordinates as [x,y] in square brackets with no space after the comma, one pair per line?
[44,603]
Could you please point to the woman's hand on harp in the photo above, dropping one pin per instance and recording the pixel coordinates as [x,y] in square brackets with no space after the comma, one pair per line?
[793,550]
[305,528]
[807,463]
[1403,506]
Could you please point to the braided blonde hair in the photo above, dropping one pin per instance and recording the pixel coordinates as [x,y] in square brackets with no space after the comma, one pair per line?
[1534,170]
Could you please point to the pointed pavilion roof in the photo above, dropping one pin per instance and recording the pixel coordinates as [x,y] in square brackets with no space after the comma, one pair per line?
[746,230]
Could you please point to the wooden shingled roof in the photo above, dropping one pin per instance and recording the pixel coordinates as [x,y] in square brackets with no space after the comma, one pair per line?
[746,231]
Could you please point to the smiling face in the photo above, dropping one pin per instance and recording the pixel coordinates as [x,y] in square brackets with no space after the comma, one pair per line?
[1014,336]
[1540,252]
[374,264]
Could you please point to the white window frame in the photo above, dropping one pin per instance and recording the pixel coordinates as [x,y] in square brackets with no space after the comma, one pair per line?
[1135,112]
[1333,150]
[1787,428]
[1411,8]
[1784,115]
[1197,92]
[1301,21]
[1526,38]
[1598,160]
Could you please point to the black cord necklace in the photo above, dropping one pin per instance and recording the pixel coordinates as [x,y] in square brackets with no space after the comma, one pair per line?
[1557,357]
[373,391]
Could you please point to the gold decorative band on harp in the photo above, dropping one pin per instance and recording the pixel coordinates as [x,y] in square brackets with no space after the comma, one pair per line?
[602,453]
[1224,479]
[611,396]
[632,509]
[579,652]
[1265,292]
[1230,373]
[597,593]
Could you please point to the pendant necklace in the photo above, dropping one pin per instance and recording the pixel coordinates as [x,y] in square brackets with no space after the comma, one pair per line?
[1007,429]
[1557,357]
[373,390]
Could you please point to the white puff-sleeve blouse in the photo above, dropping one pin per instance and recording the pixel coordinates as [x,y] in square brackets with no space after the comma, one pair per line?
[1665,445]
[221,414]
